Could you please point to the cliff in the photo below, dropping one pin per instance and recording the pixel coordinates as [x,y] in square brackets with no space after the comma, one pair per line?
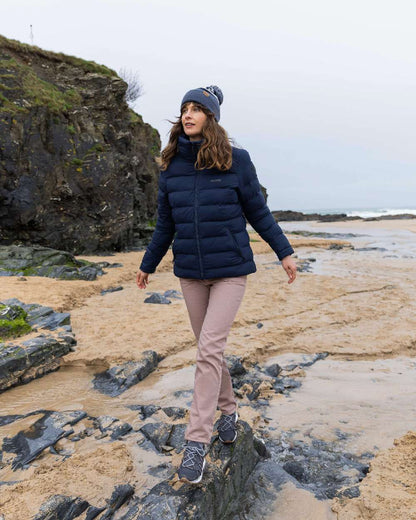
[77,168]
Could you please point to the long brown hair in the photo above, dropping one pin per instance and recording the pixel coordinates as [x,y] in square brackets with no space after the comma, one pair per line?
[215,150]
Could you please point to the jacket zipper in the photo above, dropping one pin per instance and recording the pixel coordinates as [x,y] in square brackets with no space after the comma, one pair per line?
[196,224]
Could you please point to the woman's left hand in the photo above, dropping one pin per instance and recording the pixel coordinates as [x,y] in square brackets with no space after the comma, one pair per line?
[289,266]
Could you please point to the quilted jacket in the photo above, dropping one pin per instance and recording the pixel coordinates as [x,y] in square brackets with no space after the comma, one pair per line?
[204,212]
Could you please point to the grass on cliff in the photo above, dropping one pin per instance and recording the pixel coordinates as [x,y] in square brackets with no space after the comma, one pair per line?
[37,92]
[26,49]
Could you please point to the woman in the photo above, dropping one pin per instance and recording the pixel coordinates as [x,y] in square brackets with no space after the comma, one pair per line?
[207,189]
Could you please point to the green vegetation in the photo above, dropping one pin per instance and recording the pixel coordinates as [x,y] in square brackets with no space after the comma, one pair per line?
[135,118]
[13,322]
[37,92]
[155,150]
[23,48]
[77,162]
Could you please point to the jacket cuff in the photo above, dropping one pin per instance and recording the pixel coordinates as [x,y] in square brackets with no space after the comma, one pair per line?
[285,252]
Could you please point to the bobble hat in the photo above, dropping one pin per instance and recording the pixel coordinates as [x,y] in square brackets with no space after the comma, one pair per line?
[210,97]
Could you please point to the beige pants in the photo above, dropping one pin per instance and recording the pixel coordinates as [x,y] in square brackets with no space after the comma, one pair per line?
[212,306]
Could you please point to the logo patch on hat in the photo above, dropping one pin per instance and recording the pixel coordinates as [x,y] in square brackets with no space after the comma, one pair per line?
[206,93]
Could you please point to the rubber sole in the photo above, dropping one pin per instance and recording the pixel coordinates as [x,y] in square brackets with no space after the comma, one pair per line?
[196,481]
[235,436]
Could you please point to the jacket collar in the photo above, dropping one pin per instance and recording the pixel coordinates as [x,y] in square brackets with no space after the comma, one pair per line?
[187,148]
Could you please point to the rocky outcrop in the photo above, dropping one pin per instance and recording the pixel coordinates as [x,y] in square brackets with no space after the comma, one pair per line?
[22,361]
[44,261]
[119,378]
[289,215]
[77,167]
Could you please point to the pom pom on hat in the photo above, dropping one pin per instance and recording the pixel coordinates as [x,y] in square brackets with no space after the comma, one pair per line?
[210,97]
[217,92]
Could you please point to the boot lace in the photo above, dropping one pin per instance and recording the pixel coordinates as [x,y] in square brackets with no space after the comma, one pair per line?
[226,422]
[190,457]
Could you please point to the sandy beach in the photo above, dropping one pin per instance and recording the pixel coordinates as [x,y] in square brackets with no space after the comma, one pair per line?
[355,303]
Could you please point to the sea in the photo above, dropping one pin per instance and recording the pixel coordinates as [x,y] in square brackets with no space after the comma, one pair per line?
[362,212]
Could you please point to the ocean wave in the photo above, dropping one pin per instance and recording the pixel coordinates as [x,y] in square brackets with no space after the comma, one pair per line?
[380,212]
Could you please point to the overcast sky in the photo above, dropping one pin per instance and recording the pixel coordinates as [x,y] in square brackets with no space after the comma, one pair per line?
[321,93]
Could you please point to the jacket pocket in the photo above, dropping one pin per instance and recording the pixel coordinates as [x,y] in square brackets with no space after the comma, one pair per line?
[234,241]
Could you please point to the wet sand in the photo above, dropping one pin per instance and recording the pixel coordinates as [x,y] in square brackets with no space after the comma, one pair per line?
[359,306]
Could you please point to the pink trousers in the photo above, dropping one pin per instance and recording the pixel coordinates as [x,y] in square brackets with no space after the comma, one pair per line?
[212,306]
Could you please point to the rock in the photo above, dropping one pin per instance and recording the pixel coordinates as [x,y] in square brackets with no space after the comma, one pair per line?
[120,495]
[107,265]
[261,491]
[16,260]
[156,298]
[295,469]
[157,433]
[321,467]
[61,507]
[78,168]
[20,363]
[118,379]
[218,495]
[145,410]
[273,370]
[112,289]
[172,293]
[289,215]
[235,366]
[45,432]
[174,411]
[33,358]
[112,426]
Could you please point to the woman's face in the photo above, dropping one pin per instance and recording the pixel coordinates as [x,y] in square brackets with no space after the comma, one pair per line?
[193,119]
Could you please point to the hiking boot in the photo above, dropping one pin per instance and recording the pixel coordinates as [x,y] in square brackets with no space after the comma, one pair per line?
[193,463]
[227,428]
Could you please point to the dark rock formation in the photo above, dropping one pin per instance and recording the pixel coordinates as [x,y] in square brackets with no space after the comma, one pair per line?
[61,507]
[111,289]
[157,298]
[21,362]
[118,379]
[111,426]
[77,166]
[321,467]
[44,261]
[218,496]
[249,383]
[288,215]
[43,433]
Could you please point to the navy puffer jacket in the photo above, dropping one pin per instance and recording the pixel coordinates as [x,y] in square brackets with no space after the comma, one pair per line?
[204,212]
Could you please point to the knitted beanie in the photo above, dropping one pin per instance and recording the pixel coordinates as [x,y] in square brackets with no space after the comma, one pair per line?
[210,97]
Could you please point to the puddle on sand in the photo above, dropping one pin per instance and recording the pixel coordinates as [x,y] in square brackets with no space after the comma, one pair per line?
[71,388]
[371,401]
[298,504]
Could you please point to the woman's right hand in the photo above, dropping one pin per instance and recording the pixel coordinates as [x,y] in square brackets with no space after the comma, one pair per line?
[142,279]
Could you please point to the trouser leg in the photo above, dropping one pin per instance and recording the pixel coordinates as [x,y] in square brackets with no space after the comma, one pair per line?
[212,378]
